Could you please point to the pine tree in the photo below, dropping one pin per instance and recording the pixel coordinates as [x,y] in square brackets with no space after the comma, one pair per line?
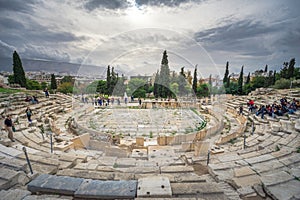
[225,79]
[164,77]
[291,68]
[108,80]
[19,74]
[248,79]
[240,82]
[195,80]
[53,84]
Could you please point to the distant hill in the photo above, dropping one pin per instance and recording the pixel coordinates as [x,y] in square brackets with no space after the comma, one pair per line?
[57,67]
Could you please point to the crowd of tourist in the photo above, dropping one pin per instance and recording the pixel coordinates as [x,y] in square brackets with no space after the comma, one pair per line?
[275,109]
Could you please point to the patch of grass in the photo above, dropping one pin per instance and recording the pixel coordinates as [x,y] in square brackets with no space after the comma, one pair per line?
[115,165]
[298,150]
[232,141]
[277,148]
[297,178]
[174,132]
[151,134]
[10,91]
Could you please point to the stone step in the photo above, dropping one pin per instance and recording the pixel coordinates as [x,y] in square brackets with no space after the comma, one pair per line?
[83,188]
[16,194]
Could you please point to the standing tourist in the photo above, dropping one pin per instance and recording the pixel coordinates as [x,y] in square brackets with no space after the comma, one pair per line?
[28,114]
[8,126]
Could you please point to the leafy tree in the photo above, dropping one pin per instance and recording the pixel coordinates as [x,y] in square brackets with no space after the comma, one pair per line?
[258,82]
[66,88]
[202,90]
[282,84]
[240,82]
[32,85]
[284,71]
[67,79]
[291,68]
[174,88]
[248,79]
[164,77]
[136,83]
[19,74]
[91,88]
[53,84]
[274,78]
[44,85]
[101,87]
[225,79]
[11,79]
[195,80]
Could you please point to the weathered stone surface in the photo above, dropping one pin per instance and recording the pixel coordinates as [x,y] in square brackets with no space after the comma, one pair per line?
[258,159]
[243,171]
[245,191]
[96,189]
[240,182]
[14,194]
[267,166]
[154,186]
[176,169]
[86,174]
[47,197]
[282,191]
[276,178]
[55,184]
[195,188]
[289,160]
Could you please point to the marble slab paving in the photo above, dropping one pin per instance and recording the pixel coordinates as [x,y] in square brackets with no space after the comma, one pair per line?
[96,189]
[154,186]
[55,184]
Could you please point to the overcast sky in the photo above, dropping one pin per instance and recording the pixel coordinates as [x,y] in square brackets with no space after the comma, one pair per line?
[131,35]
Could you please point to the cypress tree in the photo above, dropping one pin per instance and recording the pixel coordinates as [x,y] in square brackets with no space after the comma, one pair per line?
[266,68]
[248,79]
[19,74]
[195,80]
[53,84]
[156,85]
[108,80]
[181,82]
[226,73]
[164,77]
[240,82]
[274,77]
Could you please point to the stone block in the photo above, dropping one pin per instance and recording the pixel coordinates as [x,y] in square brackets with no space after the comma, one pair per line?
[287,190]
[243,171]
[276,178]
[14,194]
[195,189]
[240,182]
[63,185]
[140,141]
[154,186]
[96,189]
[176,169]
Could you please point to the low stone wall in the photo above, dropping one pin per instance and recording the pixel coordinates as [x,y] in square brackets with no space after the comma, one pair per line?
[242,121]
[192,137]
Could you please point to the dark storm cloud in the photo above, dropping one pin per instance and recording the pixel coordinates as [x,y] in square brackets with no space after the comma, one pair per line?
[16,5]
[7,23]
[105,4]
[246,37]
[169,3]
